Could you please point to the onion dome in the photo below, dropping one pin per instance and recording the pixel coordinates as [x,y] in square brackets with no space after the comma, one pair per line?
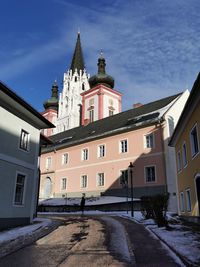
[52,103]
[101,77]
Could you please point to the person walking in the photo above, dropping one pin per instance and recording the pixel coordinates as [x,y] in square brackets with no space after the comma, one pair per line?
[82,204]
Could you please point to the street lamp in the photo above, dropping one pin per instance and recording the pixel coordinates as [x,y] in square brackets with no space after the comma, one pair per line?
[131,174]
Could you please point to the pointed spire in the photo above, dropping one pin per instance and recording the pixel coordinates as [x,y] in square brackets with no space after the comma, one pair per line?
[77,60]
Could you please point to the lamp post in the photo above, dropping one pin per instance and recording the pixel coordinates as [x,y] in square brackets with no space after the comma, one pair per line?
[131,175]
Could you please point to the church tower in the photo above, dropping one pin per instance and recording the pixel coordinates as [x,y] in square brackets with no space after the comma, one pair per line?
[70,101]
[101,100]
[51,109]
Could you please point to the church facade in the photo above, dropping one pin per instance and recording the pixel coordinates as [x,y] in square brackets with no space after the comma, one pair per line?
[94,145]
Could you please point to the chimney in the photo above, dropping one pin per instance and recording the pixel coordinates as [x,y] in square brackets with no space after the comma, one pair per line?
[86,122]
[137,105]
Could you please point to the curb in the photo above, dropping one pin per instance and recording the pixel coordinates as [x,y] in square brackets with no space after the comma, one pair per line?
[10,246]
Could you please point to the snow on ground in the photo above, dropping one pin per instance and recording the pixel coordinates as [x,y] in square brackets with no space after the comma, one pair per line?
[180,238]
[9,235]
[89,201]
[118,239]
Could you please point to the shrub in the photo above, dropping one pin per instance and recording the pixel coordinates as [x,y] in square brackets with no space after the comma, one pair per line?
[155,207]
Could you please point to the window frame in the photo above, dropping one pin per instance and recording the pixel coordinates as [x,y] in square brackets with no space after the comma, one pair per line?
[192,145]
[122,147]
[181,201]
[83,184]
[47,165]
[145,174]
[15,204]
[85,154]
[145,141]
[63,183]
[22,146]
[179,163]
[124,182]
[99,151]
[91,115]
[99,179]
[188,200]
[184,155]
[64,161]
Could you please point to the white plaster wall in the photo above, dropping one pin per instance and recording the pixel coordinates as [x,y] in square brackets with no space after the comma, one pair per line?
[13,160]
[70,99]
[170,158]
[115,100]
[96,106]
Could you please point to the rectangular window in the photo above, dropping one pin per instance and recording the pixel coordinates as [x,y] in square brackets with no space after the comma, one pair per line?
[182,204]
[65,158]
[123,146]
[100,179]
[124,177]
[101,151]
[19,189]
[111,112]
[48,163]
[179,161]
[150,174]
[83,181]
[194,141]
[24,140]
[64,183]
[184,155]
[149,141]
[188,200]
[91,115]
[85,154]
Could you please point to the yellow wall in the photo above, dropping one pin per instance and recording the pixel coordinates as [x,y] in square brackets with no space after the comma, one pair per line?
[186,177]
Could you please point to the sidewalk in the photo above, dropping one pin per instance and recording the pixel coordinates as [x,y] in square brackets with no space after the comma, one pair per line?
[19,237]
[148,251]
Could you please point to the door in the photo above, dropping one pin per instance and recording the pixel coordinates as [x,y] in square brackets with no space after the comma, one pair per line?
[47,187]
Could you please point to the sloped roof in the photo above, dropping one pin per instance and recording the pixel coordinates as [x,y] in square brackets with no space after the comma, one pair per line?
[189,107]
[15,104]
[121,122]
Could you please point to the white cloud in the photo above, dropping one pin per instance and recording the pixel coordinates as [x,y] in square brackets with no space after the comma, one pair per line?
[151,47]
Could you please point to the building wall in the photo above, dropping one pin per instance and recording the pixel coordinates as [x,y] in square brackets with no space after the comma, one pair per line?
[70,100]
[171,119]
[110,165]
[100,99]
[188,174]
[50,115]
[14,160]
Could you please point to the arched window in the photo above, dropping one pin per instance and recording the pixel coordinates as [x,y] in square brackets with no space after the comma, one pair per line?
[83,86]
[48,187]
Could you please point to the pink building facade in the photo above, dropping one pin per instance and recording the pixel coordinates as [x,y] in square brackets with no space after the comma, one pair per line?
[100,166]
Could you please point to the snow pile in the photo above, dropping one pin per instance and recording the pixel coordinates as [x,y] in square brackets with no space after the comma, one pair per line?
[180,237]
[89,201]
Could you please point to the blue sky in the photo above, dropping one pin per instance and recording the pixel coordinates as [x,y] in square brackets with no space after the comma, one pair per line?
[152,47]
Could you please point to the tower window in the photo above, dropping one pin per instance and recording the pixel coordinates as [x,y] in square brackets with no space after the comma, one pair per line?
[75,78]
[91,115]
[83,86]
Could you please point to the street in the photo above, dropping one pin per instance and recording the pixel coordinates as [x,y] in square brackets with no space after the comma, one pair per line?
[92,241]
